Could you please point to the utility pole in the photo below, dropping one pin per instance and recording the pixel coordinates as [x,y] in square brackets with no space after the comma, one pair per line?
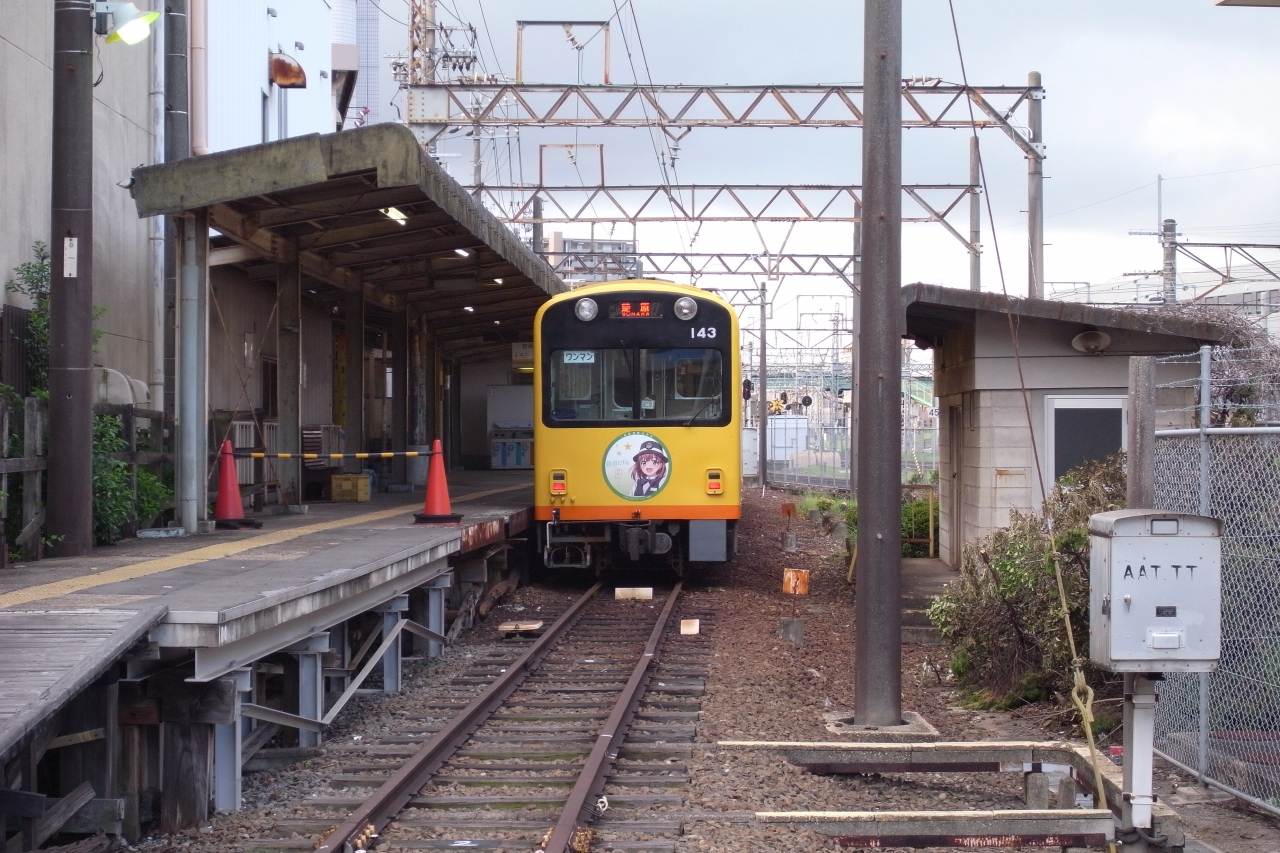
[762,393]
[854,350]
[1035,188]
[70,502]
[975,215]
[878,660]
[1169,272]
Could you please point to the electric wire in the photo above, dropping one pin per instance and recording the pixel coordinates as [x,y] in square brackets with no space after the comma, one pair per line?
[1081,693]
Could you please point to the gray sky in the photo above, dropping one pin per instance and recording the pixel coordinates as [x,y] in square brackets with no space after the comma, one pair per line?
[1135,88]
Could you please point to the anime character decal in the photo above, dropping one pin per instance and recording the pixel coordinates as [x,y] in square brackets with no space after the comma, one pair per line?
[637,466]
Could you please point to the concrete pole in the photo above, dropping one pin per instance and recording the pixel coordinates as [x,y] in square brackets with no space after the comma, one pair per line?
[70,501]
[177,146]
[192,479]
[1035,190]
[537,224]
[1141,456]
[762,430]
[158,312]
[975,215]
[878,661]
[1169,272]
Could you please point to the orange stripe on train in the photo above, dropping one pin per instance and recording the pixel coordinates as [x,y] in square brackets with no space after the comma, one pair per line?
[617,513]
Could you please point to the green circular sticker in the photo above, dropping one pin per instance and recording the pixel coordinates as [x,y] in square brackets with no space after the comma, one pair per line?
[637,466]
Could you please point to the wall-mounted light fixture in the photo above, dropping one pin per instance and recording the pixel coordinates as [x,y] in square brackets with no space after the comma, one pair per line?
[128,24]
[1092,342]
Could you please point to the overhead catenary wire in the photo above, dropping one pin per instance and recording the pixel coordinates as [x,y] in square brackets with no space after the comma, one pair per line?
[1081,693]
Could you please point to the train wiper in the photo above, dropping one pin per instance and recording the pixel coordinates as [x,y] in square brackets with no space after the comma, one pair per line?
[698,413]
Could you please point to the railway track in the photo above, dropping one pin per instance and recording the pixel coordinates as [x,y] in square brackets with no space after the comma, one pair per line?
[574,741]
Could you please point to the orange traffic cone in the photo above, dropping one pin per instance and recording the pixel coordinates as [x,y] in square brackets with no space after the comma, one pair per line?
[228,512]
[437,510]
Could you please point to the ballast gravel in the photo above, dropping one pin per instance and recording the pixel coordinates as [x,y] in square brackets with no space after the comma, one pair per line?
[760,687]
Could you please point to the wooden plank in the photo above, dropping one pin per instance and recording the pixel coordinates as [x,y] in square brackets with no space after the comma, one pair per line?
[97,658]
[56,816]
[22,803]
[188,751]
[97,815]
[193,702]
[78,737]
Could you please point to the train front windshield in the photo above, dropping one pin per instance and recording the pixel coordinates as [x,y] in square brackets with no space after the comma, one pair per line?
[675,386]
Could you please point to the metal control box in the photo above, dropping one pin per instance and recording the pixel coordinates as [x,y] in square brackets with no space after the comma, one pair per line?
[1155,597]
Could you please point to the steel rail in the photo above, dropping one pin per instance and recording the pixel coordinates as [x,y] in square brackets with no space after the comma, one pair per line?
[605,752]
[384,804]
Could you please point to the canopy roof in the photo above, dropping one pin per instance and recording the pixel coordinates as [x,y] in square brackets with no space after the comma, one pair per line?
[369,212]
[932,310]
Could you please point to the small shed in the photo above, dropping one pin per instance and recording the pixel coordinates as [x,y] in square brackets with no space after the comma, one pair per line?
[1023,398]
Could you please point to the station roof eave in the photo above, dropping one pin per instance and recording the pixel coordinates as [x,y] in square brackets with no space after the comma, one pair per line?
[369,212]
[932,310]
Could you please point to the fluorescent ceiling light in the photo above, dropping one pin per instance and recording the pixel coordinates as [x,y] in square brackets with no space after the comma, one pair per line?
[468,309]
[463,252]
[395,214]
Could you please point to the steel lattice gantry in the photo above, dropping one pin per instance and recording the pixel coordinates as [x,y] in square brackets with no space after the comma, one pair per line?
[432,108]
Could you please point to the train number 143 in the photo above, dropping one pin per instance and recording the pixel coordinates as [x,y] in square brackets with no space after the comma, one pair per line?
[702,332]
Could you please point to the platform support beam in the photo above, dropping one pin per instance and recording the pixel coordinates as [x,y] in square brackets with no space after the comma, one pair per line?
[310,677]
[227,743]
[435,612]
[353,421]
[400,393]
[391,614]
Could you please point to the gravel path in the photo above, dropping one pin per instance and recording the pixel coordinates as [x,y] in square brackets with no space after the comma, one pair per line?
[761,687]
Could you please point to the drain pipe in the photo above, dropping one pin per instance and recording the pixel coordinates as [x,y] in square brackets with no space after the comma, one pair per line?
[199,11]
[156,98]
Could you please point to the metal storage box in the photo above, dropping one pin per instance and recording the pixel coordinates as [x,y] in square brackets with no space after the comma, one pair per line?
[1155,591]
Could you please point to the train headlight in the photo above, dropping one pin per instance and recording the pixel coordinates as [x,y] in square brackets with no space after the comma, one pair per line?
[586,309]
[686,308]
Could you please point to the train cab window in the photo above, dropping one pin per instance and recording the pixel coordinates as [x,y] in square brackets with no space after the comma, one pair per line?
[652,385]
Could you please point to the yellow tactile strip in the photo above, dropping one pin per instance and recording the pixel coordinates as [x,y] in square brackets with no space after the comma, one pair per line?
[210,552]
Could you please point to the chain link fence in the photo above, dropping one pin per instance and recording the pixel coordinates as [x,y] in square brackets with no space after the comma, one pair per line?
[808,437]
[1225,726]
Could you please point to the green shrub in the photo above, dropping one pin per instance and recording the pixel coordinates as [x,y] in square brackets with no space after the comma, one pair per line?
[1002,618]
[112,492]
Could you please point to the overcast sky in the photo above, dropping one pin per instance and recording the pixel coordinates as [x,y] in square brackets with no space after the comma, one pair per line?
[1135,88]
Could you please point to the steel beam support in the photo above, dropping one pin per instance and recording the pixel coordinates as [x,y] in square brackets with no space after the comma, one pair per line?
[215,661]
[192,445]
[762,401]
[70,504]
[310,694]
[975,214]
[878,662]
[688,106]
[353,426]
[227,743]
[1035,188]
[435,612]
[391,614]
[289,370]
[400,390]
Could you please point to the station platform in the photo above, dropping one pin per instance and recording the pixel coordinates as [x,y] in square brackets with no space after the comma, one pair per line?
[200,614]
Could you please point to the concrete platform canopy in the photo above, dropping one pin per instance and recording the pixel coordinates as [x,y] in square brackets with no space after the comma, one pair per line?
[367,211]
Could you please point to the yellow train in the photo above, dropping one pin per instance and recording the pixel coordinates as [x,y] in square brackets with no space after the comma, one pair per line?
[637,433]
